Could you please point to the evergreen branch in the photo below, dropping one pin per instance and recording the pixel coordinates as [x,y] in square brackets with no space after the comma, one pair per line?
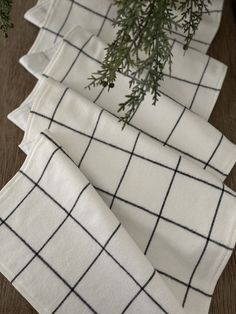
[142,49]
[191,16]
[5,21]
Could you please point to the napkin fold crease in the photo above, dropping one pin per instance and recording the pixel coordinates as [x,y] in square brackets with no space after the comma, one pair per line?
[72,255]
[202,39]
[196,78]
[81,52]
[181,216]
[105,220]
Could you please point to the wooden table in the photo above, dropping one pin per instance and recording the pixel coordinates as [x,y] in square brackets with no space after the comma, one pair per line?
[15,85]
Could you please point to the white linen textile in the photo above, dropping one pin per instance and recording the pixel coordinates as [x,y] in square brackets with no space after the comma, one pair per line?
[181,216]
[65,248]
[168,121]
[65,251]
[196,78]
[38,15]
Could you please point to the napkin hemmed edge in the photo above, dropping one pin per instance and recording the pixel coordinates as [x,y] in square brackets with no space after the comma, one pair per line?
[32,9]
[230,163]
[20,288]
[211,106]
[14,180]
[4,193]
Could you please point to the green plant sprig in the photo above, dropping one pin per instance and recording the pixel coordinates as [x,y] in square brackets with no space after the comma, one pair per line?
[191,16]
[142,49]
[5,21]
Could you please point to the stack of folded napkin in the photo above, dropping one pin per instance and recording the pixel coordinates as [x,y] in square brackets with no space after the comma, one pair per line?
[104,220]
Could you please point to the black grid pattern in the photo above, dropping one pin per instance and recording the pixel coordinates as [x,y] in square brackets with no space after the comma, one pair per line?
[103,249]
[205,246]
[162,207]
[117,197]
[204,164]
[65,20]
[186,174]
[161,216]
[106,19]
[173,77]
[197,84]
[57,106]
[196,43]
[67,80]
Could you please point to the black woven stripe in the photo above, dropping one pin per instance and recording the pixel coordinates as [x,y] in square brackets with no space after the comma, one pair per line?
[93,11]
[175,126]
[31,190]
[76,58]
[91,138]
[214,152]
[52,235]
[167,144]
[204,249]
[167,75]
[52,32]
[184,283]
[125,170]
[162,206]
[47,264]
[143,208]
[104,20]
[199,84]
[57,106]
[121,199]
[87,270]
[65,20]
[91,236]
[138,293]
[136,155]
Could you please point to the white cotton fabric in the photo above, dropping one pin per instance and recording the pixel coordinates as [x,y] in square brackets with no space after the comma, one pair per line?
[38,13]
[167,121]
[65,251]
[181,216]
[196,78]
[41,12]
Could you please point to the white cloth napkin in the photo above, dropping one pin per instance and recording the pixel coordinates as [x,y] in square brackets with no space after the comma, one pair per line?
[196,78]
[37,14]
[98,10]
[181,216]
[65,251]
[167,121]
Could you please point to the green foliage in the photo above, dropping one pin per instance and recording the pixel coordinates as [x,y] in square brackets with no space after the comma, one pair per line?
[142,49]
[5,22]
[191,16]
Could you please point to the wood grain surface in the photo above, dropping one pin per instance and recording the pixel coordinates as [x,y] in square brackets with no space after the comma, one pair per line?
[15,85]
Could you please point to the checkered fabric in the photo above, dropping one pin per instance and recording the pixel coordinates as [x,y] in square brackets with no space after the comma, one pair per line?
[40,14]
[196,79]
[65,251]
[167,122]
[181,216]
[203,144]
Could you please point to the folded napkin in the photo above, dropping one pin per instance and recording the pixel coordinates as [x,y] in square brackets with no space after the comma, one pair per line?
[83,12]
[37,14]
[167,121]
[65,251]
[181,216]
[196,79]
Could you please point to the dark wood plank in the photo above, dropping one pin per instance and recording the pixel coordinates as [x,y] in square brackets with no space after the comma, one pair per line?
[224,119]
[16,84]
